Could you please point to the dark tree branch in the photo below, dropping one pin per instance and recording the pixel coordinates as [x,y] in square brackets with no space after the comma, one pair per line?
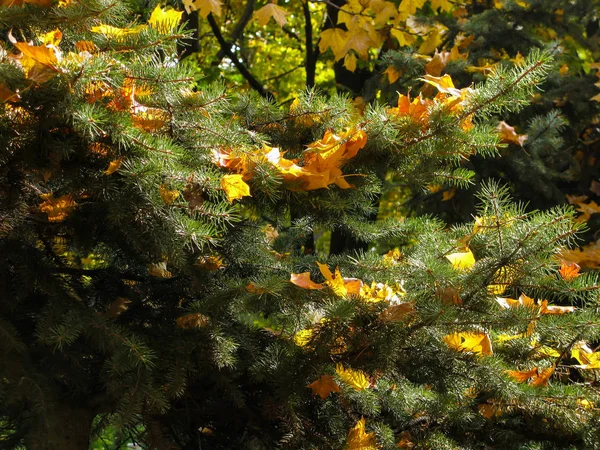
[311,53]
[238,30]
[226,48]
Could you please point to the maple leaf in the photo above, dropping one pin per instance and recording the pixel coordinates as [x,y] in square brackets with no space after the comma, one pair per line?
[264,14]
[38,61]
[324,386]
[462,260]
[587,358]
[118,306]
[51,38]
[415,109]
[444,5]
[393,74]
[334,38]
[509,135]
[384,11]
[409,7]
[350,62]
[356,379]
[405,440]
[378,292]
[303,280]
[359,41]
[57,209]
[159,270]
[193,320]
[234,187]
[86,46]
[490,409]
[358,439]
[503,277]
[253,288]
[522,376]
[397,313]
[303,337]
[404,38]
[210,263]
[168,196]
[545,308]
[6,95]
[475,342]
[113,166]
[164,20]
[340,286]
[443,84]
[541,378]
[205,7]
[116,33]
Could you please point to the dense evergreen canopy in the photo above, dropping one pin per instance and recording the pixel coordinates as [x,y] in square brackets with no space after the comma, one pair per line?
[192,262]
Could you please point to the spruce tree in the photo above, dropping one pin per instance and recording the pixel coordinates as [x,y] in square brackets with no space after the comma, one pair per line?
[159,276]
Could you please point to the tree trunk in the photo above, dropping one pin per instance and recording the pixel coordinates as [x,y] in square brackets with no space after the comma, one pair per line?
[63,428]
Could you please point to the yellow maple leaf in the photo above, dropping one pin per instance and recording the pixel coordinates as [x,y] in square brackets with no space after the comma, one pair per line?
[476,342]
[443,84]
[444,5]
[86,46]
[51,38]
[356,379]
[113,166]
[159,270]
[303,280]
[508,134]
[264,14]
[358,439]
[235,187]
[38,61]
[350,62]
[393,74]
[116,33]
[164,20]
[334,38]
[339,285]
[587,358]
[210,263]
[360,41]
[57,209]
[205,7]
[409,7]
[462,260]
[404,38]
[324,386]
[303,337]
[168,195]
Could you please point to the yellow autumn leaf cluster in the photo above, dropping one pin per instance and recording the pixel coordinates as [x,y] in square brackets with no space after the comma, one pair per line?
[542,306]
[321,165]
[419,108]
[363,25]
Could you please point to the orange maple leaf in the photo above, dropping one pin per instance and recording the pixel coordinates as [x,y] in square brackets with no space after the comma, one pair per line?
[324,386]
